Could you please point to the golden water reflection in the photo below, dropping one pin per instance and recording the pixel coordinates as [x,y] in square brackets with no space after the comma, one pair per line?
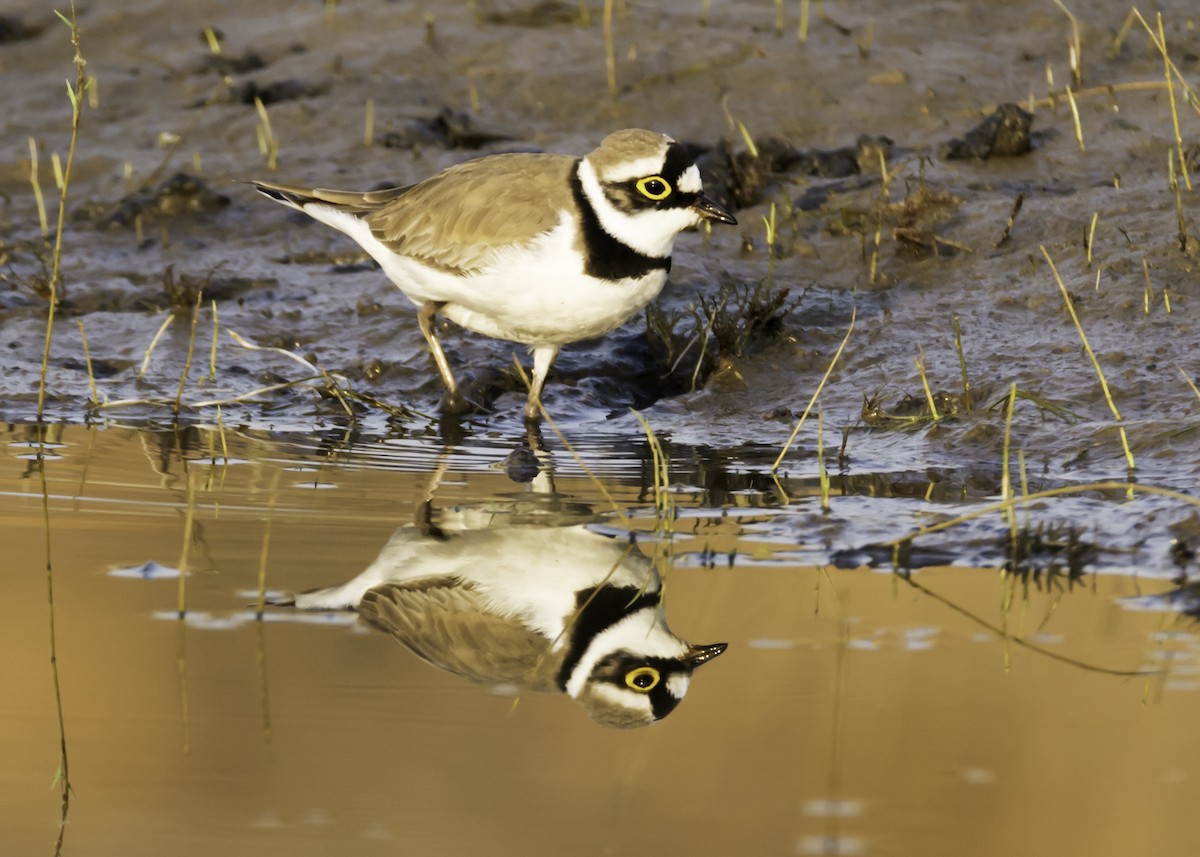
[851,714]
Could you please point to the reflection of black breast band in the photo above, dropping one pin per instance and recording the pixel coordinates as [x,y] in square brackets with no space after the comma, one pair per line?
[597,610]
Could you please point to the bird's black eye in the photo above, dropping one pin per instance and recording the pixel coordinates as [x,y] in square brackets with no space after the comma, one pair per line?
[654,187]
[643,679]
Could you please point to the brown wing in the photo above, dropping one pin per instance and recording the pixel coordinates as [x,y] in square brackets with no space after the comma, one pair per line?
[457,218]
[449,624]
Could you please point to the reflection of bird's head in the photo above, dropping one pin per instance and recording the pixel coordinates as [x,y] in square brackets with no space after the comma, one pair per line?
[622,663]
[628,689]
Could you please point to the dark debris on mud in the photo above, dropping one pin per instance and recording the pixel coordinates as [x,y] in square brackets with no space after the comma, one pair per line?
[1005,133]
[181,195]
[447,129]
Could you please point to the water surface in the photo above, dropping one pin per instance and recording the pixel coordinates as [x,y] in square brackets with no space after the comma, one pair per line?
[854,712]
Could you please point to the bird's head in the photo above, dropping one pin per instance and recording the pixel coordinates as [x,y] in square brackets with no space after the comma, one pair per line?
[645,189]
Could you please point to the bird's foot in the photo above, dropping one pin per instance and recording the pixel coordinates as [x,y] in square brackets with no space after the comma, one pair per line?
[455,404]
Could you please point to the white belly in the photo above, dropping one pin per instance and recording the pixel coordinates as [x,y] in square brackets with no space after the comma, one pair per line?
[535,295]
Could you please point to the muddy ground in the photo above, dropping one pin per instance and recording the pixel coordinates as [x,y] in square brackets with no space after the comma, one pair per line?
[886,204]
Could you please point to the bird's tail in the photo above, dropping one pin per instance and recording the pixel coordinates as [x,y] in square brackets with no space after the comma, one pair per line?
[289,196]
[352,202]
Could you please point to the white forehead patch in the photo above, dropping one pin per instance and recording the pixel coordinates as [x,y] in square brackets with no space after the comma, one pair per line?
[629,699]
[677,684]
[689,182]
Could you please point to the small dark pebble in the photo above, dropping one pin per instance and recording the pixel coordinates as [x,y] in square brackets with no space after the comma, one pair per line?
[180,194]
[373,369]
[904,557]
[1005,133]
[274,93]
[13,29]
[742,180]
[543,14]
[449,129]
[100,368]
[521,465]
[224,64]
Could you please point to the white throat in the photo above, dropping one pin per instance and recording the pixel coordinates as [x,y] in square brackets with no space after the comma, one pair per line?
[651,232]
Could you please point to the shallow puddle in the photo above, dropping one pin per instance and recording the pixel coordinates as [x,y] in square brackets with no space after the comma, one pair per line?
[856,711]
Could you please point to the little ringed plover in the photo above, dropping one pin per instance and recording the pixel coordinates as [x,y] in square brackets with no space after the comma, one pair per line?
[539,249]
[564,609]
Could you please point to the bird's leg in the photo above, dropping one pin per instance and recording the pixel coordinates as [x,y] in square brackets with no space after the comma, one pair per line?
[543,359]
[425,316]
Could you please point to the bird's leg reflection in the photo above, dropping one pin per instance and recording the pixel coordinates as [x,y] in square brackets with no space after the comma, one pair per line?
[423,514]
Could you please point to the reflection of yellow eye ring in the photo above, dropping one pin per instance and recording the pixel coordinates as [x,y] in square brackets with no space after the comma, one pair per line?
[643,679]
[654,187]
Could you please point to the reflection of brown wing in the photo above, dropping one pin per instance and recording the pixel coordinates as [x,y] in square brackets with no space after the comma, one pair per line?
[449,624]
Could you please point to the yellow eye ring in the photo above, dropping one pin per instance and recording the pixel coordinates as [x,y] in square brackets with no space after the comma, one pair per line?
[654,187]
[643,679]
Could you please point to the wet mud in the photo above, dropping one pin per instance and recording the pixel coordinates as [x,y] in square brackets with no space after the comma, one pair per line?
[915,170]
[913,167]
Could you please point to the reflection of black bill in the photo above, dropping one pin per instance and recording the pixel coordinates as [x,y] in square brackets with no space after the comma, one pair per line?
[703,654]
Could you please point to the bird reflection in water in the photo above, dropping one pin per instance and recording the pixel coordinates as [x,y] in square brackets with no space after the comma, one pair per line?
[500,600]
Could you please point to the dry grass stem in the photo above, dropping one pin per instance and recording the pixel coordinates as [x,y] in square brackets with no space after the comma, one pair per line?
[1075,119]
[661,467]
[1074,47]
[1028,499]
[472,91]
[1189,381]
[822,472]
[1180,219]
[189,522]
[43,220]
[933,411]
[283,352]
[212,354]
[268,145]
[273,497]
[214,44]
[817,392]
[87,357]
[75,94]
[962,365]
[1171,72]
[610,55]
[57,168]
[162,328]
[191,350]
[1005,466]
[1092,356]
[1089,92]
